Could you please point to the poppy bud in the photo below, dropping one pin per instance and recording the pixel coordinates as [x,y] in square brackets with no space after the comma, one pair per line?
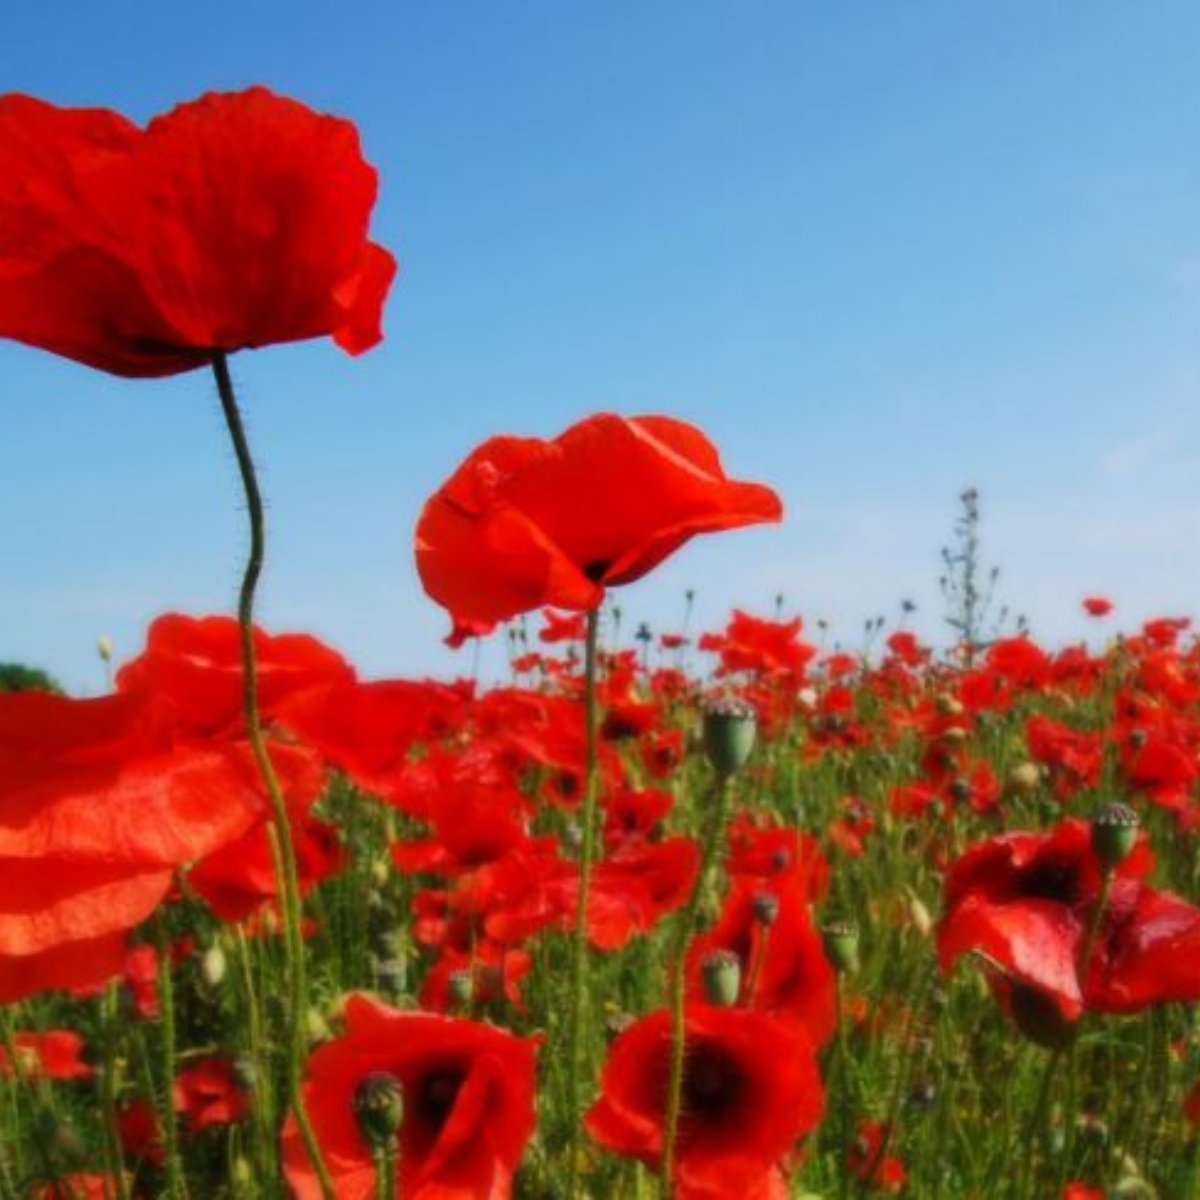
[918,914]
[379,1108]
[765,906]
[841,946]
[617,1022]
[721,972]
[1114,834]
[316,1026]
[245,1073]
[212,965]
[1134,1187]
[1024,778]
[104,648]
[949,706]
[730,726]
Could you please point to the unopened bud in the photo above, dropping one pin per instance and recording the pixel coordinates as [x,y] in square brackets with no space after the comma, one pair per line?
[1024,778]
[212,965]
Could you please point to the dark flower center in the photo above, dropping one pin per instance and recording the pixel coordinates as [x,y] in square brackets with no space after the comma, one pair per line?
[713,1083]
[439,1091]
[1051,880]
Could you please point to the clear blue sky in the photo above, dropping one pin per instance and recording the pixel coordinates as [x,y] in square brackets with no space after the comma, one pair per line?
[878,251]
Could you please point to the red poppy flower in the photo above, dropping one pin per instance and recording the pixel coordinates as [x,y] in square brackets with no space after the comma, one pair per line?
[1097,606]
[236,220]
[525,523]
[207,1093]
[54,1054]
[194,664]
[784,966]
[1025,901]
[468,1095]
[750,1089]
[768,648]
[883,1171]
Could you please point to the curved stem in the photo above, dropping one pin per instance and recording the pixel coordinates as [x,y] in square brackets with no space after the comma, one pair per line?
[280,825]
[579,950]
[687,922]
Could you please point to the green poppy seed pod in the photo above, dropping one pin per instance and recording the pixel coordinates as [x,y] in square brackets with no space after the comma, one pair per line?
[730,727]
[841,946]
[379,1108]
[765,907]
[460,987]
[1114,834]
[721,973]
[960,791]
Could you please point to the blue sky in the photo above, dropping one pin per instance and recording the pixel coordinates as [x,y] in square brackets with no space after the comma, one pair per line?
[878,252]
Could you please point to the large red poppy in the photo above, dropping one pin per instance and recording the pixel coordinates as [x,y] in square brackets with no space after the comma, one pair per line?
[468,1093]
[234,221]
[526,523]
[1025,902]
[751,1089]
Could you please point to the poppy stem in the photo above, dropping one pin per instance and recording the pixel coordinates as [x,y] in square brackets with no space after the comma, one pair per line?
[176,1186]
[579,949]
[1035,1132]
[687,923]
[385,1171]
[845,1088]
[1085,962]
[109,1085]
[289,887]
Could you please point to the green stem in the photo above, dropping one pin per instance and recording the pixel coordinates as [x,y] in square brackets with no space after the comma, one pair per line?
[385,1171]
[576,1031]
[263,1109]
[1034,1132]
[176,1187]
[687,923]
[845,1099]
[109,1085]
[279,828]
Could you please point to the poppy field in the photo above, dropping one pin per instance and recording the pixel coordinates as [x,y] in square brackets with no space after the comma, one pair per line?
[689,913]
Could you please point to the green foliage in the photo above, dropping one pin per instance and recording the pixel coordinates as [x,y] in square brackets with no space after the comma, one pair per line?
[16,677]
